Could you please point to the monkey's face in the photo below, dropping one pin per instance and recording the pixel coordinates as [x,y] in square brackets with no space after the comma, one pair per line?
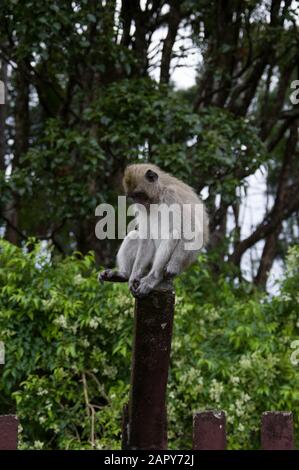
[139,197]
[140,184]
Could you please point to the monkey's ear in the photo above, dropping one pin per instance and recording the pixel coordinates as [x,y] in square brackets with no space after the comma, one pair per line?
[151,176]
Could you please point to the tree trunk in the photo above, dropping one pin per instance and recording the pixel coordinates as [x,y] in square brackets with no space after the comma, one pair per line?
[174,21]
[268,256]
[20,148]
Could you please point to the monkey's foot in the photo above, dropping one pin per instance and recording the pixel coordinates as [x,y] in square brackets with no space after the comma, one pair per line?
[110,275]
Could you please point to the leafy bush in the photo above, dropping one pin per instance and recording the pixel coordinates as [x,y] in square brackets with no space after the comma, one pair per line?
[68,346]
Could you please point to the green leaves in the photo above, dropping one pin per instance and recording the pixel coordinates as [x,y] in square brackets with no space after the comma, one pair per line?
[231,351]
[57,323]
[66,335]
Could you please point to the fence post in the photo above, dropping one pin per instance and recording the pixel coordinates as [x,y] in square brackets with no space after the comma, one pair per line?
[277,430]
[8,432]
[144,422]
[209,430]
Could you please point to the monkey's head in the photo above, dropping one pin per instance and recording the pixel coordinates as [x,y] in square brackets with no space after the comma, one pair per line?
[141,183]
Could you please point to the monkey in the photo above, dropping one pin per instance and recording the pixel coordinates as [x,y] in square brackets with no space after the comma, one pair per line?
[148,256]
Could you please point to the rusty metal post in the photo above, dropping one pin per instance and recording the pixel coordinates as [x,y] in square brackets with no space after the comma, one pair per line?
[209,430]
[277,431]
[144,425]
[8,432]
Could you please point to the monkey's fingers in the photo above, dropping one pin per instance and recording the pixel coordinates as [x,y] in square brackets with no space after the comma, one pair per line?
[136,283]
[141,288]
[134,286]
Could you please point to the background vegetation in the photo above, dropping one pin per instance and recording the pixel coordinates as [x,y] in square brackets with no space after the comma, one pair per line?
[68,348]
[89,89]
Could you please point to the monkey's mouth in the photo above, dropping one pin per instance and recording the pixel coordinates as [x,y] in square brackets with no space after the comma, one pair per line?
[139,198]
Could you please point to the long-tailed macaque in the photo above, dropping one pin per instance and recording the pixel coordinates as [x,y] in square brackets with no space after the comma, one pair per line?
[172,228]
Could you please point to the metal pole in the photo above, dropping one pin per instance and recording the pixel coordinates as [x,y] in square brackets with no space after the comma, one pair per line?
[144,427]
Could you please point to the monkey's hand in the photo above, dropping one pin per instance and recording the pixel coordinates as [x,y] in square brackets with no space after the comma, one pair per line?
[133,284]
[142,287]
[111,275]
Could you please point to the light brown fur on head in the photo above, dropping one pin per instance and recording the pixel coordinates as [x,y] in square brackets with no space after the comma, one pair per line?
[163,189]
[135,182]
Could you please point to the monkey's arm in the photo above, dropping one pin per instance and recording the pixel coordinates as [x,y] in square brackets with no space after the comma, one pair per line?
[125,259]
[156,274]
[133,258]
[144,257]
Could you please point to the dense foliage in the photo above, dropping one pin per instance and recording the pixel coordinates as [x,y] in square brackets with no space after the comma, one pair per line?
[89,89]
[68,347]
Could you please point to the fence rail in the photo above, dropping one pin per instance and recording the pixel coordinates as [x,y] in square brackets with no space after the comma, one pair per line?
[209,432]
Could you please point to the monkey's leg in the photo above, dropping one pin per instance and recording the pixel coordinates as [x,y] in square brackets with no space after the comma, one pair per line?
[155,276]
[179,260]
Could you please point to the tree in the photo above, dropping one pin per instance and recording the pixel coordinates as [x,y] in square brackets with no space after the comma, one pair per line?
[82,103]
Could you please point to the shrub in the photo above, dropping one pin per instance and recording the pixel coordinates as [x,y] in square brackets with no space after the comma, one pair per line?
[68,347]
